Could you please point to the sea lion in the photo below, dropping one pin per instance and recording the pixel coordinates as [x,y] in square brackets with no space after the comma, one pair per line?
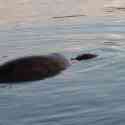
[32,68]
[39,67]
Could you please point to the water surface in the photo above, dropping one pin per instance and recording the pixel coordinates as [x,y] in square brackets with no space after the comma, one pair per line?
[90,92]
[87,93]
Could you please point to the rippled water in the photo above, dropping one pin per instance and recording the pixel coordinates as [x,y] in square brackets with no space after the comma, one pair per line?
[90,92]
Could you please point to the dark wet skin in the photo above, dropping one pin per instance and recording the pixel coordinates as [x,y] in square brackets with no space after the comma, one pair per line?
[32,68]
[85,56]
[36,67]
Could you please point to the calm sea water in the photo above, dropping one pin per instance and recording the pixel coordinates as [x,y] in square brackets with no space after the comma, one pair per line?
[88,93]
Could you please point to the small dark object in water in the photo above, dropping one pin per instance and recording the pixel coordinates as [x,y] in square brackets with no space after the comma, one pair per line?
[32,68]
[84,56]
